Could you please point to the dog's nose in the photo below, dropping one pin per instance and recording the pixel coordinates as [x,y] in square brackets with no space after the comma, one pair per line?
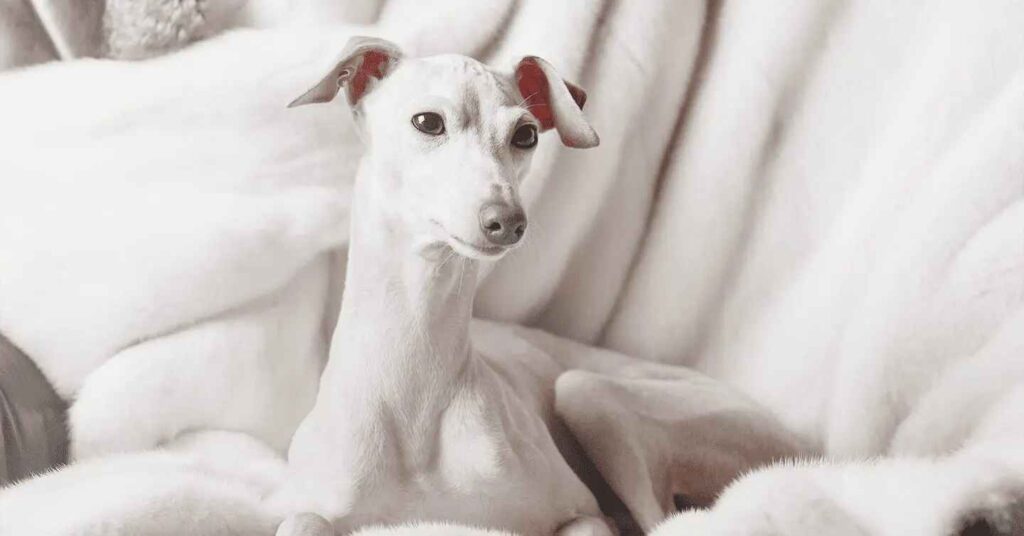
[502,224]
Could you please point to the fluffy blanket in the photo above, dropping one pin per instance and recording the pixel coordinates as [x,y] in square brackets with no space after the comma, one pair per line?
[817,202]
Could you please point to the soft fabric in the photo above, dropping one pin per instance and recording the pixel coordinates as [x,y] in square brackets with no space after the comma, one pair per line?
[817,202]
[139,29]
[33,436]
[37,31]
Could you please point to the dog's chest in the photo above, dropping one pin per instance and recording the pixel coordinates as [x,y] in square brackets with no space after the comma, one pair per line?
[491,462]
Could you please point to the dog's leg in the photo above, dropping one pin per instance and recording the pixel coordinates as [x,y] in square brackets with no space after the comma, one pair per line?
[255,370]
[657,436]
[656,432]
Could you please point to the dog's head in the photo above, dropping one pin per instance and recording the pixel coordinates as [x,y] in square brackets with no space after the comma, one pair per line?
[450,139]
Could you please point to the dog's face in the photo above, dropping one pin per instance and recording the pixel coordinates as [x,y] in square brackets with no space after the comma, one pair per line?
[451,144]
[450,140]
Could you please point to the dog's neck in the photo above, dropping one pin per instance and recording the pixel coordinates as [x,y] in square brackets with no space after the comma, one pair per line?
[402,337]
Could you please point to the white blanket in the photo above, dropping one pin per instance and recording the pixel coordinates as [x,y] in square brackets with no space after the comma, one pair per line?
[818,202]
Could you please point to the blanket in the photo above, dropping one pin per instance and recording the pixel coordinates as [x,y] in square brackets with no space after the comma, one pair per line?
[816,202]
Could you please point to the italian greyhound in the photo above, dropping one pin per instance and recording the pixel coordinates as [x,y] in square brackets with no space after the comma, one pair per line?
[425,415]
[412,421]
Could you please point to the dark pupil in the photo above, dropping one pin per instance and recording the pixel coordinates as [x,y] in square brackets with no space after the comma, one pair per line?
[525,136]
[429,123]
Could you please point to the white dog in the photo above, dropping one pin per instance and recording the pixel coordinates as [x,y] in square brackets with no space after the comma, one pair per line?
[410,423]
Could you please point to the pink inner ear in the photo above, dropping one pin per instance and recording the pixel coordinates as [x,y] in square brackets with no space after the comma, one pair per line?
[533,86]
[373,64]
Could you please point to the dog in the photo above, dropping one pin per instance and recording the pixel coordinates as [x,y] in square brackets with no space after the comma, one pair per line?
[411,421]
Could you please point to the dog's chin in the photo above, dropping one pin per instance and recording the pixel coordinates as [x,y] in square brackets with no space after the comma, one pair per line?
[475,251]
[465,248]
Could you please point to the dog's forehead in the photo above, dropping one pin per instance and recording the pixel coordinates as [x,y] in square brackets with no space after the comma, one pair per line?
[460,79]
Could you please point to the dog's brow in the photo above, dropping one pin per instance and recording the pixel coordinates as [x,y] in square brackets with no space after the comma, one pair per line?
[470,107]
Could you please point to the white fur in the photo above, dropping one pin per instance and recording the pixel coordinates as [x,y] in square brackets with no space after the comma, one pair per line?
[411,423]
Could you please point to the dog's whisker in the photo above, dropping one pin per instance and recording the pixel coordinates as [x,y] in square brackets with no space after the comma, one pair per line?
[528,97]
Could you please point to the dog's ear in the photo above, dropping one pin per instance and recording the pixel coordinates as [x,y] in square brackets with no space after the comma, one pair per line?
[554,102]
[365,61]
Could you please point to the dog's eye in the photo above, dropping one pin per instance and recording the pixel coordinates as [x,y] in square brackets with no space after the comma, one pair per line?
[525,137]
[428,123]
